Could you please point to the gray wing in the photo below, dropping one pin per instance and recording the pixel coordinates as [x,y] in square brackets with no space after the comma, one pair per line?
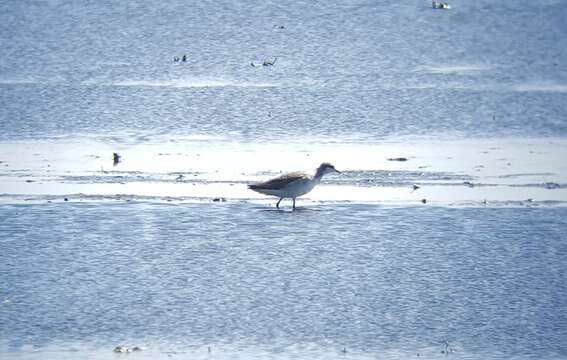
[280,181]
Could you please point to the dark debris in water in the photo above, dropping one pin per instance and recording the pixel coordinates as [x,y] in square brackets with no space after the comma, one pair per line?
[552,185]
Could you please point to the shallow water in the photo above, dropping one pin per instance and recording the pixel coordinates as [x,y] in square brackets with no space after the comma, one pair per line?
[380,281]
[364,69]
[444,234]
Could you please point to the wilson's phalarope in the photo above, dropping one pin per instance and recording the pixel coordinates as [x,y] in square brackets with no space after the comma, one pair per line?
[292,185]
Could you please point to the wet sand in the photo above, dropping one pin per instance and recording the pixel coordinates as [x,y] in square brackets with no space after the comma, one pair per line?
[478,172]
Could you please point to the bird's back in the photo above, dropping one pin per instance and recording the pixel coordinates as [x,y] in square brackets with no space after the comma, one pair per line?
[281,181]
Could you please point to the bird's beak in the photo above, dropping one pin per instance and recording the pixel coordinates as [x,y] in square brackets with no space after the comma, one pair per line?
[337,171]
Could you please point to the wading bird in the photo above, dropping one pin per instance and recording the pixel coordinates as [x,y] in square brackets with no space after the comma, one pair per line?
[292,185]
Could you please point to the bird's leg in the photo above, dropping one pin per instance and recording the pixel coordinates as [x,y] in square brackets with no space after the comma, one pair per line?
[293,203]
[278,203]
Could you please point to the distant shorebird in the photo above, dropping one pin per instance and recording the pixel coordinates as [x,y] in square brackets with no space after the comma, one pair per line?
[292,185]
[440,5]
[116,158]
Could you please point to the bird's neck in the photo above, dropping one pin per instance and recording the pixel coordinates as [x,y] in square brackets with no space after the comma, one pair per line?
[318,175]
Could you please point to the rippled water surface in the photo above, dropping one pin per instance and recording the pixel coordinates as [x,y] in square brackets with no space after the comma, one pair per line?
[444,235]
[380,281]
[364,68]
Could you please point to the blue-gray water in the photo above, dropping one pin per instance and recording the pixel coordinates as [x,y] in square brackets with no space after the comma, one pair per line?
[364,68]
[81,79]
[368,278]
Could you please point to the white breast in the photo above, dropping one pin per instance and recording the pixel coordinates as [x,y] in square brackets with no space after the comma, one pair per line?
[299,188]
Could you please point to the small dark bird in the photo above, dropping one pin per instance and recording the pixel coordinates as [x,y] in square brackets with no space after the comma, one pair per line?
[116,158]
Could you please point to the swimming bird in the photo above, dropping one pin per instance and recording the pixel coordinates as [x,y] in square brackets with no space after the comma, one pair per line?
[294,184]
[270,62]
[440,5]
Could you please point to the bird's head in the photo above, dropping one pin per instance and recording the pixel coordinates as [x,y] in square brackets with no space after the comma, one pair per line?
[325,168]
